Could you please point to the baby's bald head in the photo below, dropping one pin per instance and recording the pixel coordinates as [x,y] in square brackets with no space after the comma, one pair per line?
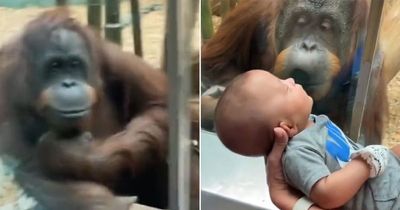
[245,117]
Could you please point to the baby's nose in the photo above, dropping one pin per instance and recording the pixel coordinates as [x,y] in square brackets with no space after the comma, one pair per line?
[291,81]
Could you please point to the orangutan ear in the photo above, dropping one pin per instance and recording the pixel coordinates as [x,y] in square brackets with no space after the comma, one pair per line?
[291,129]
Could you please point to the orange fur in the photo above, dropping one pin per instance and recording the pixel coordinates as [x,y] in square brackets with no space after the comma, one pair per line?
[335,65]
[232,42]
[280,61]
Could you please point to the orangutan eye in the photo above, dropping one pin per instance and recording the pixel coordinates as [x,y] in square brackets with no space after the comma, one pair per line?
[326,25]
[302,20]
[55,65]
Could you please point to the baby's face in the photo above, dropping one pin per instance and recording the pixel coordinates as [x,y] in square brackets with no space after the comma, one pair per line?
[290,99]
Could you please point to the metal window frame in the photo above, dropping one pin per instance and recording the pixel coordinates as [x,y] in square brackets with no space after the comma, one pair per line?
[178,65]
[366,74]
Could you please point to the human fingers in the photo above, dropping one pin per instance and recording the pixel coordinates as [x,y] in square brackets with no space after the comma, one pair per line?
[280,142]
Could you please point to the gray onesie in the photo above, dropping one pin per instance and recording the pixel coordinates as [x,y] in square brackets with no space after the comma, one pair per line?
[307,160]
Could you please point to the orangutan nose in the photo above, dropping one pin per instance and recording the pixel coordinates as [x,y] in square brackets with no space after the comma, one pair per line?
[308,45]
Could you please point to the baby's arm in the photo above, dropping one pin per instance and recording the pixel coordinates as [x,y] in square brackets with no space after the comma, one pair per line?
[339,187]
[306,170]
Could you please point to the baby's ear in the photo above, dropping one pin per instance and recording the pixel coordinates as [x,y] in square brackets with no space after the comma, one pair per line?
[290,129]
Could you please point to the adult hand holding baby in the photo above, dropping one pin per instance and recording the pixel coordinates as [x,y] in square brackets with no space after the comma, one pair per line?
[282,195]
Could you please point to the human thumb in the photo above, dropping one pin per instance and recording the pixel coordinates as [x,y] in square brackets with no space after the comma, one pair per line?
[280,141]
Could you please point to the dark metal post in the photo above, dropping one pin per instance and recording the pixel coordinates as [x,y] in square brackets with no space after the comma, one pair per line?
[179,32]
[207,29]
[113,26]
[94,14]
[365,78]
[61,2]
[136,27]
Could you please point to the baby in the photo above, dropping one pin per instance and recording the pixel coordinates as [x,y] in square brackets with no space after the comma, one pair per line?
[319,160]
